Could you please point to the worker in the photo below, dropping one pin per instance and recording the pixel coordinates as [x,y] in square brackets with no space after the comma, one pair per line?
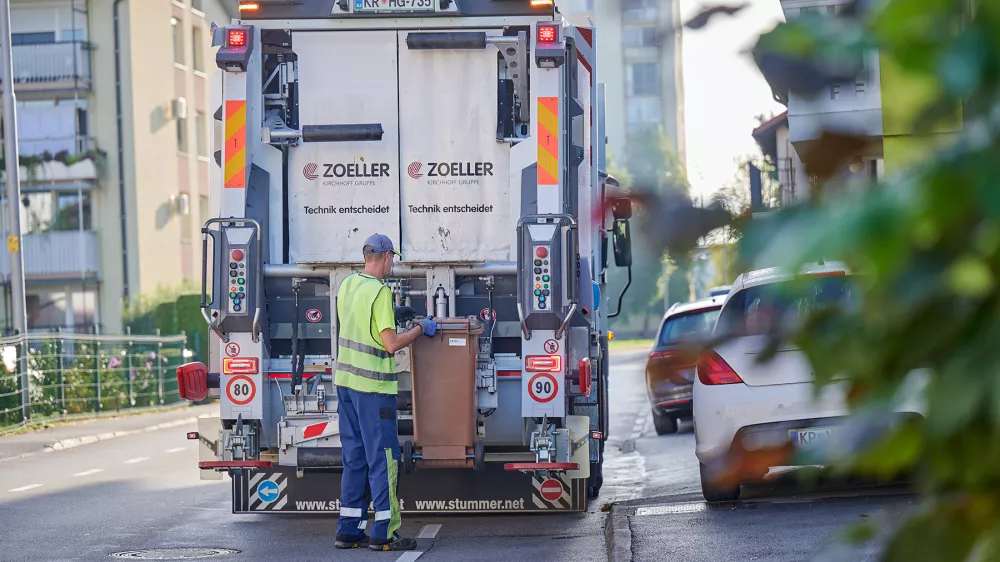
[367,388]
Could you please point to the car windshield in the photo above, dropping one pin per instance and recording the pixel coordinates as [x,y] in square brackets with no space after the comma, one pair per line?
[688,326]
[755,310]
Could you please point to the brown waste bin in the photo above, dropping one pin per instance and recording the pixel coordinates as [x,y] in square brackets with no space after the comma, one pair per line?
[443,369]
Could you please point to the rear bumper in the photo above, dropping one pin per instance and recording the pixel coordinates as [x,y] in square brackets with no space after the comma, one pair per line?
[682,408]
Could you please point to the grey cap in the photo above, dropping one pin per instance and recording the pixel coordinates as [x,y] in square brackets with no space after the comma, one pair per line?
[379,243]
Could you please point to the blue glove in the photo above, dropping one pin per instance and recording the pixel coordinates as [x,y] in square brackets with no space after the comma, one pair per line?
[428,326]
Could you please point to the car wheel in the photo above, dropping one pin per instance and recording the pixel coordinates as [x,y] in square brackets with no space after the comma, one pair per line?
[664,424]
[714,493]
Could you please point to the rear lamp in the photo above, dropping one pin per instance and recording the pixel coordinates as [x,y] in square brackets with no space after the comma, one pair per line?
[249,6]
[548,34]
[237,38]
[713,370]
[192,381]
[543,363]
[537,3]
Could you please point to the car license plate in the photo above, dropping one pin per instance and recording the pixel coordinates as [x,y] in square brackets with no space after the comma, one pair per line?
[810,437]
[394,5]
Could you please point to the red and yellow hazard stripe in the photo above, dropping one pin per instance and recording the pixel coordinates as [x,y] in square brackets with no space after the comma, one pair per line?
[236,144]
[548,141]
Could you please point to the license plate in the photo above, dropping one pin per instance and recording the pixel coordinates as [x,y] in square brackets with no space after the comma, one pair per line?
[394,5]
[810,437]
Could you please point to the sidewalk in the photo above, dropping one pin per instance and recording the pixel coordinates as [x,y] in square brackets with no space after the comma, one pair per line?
[73,434]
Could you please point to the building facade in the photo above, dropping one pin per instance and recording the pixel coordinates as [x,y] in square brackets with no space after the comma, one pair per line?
[113,131]
[859,108]
[639,52]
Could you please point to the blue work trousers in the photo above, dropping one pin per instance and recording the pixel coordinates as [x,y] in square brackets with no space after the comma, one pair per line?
[370,445]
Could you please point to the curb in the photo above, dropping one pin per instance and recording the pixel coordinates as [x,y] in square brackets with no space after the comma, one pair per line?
[88,439]
[618,534]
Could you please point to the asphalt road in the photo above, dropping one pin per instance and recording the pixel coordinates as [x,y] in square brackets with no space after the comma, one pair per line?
[141,491]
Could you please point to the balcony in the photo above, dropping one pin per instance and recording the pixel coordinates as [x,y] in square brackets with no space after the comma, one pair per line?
[853,107]
[56,255]
[58,162]
[59,66]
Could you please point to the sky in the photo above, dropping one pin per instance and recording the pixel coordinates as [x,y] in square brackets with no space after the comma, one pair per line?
[723,91]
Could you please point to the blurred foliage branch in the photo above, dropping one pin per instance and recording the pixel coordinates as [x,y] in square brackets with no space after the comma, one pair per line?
[925,243]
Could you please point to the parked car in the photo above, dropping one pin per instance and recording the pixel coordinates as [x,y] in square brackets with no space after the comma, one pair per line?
[720,291]
[670,367]
[740,404]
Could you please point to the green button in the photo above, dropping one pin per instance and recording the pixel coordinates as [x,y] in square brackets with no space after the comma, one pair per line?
[232,295]
[538,291]
[546,285]
[241,281]
[545,278]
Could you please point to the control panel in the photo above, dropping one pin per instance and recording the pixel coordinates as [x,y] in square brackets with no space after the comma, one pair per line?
[543,278]
[238,287]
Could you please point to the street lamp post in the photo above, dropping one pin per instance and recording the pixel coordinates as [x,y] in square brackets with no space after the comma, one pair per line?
[20,319]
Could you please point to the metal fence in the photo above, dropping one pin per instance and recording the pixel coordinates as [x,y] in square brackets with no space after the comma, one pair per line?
[55,375]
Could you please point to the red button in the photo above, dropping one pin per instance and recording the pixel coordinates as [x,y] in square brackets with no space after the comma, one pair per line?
[541,251]
[237,255]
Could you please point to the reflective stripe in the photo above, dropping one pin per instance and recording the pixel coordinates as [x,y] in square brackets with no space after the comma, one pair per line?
[350,511]
[363,524]
[365,373]
[383,515]
[371,350]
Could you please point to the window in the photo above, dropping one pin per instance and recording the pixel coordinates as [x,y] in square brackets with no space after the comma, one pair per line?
[688,326]
[72,35]
[197,48]
[644,79]
[646,36]
[35,38]
[178,40]
[639,10]
[201,134]
[198,5]
[644,111]
[186,224]
[182,136]
[54,211]
[761,309]
[68,309]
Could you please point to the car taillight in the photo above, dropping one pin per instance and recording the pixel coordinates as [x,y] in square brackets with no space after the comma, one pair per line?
[543,363]
[713,369]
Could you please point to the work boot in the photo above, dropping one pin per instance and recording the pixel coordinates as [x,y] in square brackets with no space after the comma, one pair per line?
[396,543]
[349,542]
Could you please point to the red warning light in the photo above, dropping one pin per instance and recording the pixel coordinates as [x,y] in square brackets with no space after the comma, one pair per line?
[237,38]
[547,33]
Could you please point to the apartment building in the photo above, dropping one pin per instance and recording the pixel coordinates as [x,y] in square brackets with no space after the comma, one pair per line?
[858,108]
[639,52]
[113,131]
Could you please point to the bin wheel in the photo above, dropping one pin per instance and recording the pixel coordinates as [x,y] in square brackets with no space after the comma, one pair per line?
[408,456]
[480,455]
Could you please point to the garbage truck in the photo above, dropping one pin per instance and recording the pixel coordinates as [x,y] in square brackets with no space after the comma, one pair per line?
[471,132]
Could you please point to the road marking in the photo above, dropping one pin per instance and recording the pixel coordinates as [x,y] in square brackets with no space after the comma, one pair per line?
[429,531]
[137,459]
[24,488]
[89,472]
[175,450]
[409,556]
[690,507]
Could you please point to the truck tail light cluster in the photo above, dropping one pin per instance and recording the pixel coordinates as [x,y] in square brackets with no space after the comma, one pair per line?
[192,381]
[239,365]
[543,363]
[237,38]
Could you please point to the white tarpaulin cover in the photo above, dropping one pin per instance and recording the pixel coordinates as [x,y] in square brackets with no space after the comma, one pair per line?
[455,180]
[341,193]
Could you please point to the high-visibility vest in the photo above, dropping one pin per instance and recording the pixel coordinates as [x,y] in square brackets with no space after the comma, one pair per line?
[363,364]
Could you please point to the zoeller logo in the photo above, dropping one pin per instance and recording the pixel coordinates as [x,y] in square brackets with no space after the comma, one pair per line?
[451,169]
[353,170]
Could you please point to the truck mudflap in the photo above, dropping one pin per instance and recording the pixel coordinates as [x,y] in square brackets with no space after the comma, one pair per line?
[279,490]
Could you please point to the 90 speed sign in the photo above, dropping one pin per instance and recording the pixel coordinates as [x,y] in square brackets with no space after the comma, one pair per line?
[543,387]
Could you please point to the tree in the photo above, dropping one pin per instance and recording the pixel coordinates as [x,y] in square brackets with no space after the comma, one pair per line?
[651,164]
[927,241]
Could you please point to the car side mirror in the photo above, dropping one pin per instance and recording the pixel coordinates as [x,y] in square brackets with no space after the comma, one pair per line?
[622,243]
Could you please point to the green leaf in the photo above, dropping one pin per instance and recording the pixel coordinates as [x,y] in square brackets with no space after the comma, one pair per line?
[970,276]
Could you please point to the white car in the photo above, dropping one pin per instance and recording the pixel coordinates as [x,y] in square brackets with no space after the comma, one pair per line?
[740,404]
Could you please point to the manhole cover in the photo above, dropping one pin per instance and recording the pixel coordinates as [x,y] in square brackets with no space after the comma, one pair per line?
[174,553]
